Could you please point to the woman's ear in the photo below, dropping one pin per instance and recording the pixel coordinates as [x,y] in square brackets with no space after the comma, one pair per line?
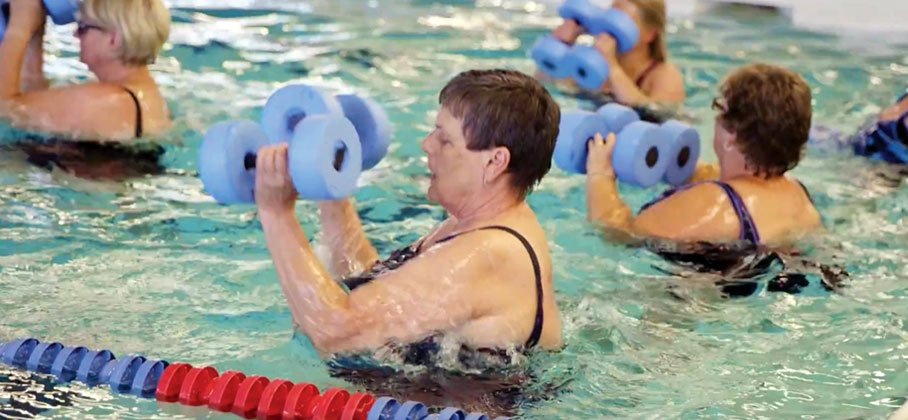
[497,164]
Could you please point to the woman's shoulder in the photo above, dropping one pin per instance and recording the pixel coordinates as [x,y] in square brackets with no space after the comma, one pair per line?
[667,70]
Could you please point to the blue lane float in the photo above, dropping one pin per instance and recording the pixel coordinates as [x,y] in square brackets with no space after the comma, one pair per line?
[230,392]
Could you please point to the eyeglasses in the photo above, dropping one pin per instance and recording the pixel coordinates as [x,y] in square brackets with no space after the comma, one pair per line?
[82,28]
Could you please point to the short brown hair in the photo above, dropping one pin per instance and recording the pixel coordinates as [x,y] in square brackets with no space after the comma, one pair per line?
[769,110]
[506,108]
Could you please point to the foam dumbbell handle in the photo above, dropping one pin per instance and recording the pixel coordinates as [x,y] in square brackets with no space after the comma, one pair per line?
[224,154]
[17,352]
[67,363]
[62,11]
[411,410]
[617,24]
[383,409]
[550,54]
[575,130]
[325,157]
[617,116]
[683,151]
[587,66]
[640,156]
[42,358]
[146,379]
[92,364]
[371,124]
[292,104]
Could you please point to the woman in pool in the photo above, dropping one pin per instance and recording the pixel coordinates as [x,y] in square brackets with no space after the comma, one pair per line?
[887,140]
[482,278]
[642,75]
[118,40]
[764,116]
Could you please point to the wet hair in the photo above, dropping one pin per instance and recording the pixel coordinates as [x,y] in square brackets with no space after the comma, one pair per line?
[506,108]
[769,110]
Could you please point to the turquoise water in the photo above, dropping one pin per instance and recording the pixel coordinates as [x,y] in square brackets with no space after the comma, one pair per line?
[153,266]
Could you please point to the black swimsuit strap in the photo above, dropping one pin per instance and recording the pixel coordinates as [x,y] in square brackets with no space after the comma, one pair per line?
[135,100]
[642,77]
[536,334]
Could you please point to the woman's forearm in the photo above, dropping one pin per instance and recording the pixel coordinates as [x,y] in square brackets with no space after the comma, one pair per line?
[32,75]
[604,204]
[623,88]
[12,55]
[342,231]
[318,304]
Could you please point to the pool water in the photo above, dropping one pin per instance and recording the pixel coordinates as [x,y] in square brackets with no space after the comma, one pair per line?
[154,266]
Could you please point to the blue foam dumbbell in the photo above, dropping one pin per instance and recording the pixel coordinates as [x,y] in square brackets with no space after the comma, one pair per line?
[292,104]
[683,151]
[17,352]
[42,358]
[67,363]
[549,52]
[574,132]
[586,65]
[371,124]
[640,156]
[324,158]
[383,409]
[226,160]
[60,11]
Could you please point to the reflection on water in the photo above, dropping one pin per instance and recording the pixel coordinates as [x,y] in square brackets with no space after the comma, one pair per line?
[153,266]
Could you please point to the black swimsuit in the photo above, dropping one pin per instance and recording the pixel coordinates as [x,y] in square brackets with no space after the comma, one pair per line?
[91,159]
[742,262]
[423,352]
[485,380]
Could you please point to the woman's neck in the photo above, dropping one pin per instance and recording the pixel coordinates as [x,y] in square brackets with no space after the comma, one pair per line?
[121,74]
[479,211]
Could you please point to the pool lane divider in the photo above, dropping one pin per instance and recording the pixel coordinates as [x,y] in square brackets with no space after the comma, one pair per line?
[229,392]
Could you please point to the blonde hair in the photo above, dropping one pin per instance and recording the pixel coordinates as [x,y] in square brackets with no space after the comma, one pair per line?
[143,26]
[653,13]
